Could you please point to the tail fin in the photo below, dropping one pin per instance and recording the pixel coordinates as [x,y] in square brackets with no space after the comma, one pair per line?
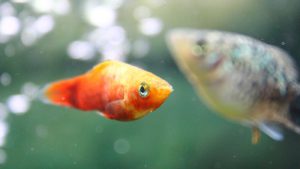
[62,92]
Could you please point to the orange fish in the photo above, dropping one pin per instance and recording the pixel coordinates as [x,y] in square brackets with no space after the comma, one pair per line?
[116,89]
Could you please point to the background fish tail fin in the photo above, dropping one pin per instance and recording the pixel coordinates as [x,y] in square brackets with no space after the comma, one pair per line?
[62,92]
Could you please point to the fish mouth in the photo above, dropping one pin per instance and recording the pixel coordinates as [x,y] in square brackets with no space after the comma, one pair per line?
[181,43]
[165,91]
[174,37]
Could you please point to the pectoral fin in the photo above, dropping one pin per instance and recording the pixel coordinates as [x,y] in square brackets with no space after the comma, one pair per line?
[272,130]
[116,110]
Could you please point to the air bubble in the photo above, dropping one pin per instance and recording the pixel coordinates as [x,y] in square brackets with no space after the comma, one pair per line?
[151,26]
[5,79]
[121,146]
[18,104]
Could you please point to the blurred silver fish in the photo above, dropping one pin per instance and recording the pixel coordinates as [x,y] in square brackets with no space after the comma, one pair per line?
[241,78]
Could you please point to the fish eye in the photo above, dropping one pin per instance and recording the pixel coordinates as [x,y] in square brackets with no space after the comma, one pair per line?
[199,48]
[294,110]
[201,42]
[144,90]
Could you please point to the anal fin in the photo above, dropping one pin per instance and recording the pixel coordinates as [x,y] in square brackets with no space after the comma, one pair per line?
[255,135]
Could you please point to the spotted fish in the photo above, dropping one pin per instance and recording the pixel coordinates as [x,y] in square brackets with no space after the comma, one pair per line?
[241,78]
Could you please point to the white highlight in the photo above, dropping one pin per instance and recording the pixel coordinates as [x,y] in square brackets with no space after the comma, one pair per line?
[62,7]
[3,112]
[5,79]
[18,104]
[43,6]
[111,42]
[6,9]
[140,48]
[121,146]
[151,26]
[3,132]
[29,36]
[114,35]
[44,24]
[36,28]
[9,25]
[113,53]
[101,16]
[20,1]
[81,50]
[30,89]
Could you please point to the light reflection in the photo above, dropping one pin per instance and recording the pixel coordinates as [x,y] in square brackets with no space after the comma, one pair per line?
[150,26]
[113,3]
[28,36]
[3,132]
[62,7]
[3,112]
[2,156]
[140,48]
[20,1]
[30,89]
[7,9]
[117,52]
[114,35]
[81,50]
[102,16]
[42,6]
[121,146]
[44,24]
[18,104]
[110,42]
[5,79]
[36,28]
[9,25]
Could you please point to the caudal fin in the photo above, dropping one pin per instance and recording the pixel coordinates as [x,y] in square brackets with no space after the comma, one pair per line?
[62,92]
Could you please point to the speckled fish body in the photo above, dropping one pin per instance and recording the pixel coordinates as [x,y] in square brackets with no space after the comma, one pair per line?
[237,76]
[118,90]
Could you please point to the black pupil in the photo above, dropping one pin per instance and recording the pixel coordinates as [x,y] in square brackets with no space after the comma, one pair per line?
[201,42]
[142,89]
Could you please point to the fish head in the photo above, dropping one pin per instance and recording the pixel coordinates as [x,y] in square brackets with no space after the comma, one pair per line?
[147,93]
[195,50]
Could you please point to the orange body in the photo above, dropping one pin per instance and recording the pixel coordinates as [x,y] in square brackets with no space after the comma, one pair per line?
[116,89]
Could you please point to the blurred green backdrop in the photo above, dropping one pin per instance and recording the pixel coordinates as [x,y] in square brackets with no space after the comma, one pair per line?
[46,40]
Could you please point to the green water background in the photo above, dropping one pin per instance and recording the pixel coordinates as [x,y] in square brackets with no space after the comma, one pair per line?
[182,134]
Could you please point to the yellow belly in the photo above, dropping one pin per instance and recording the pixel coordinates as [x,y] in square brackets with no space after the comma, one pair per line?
[231,111]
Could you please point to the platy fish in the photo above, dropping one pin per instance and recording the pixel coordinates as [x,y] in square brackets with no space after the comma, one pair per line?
[117,90]
[240,78]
